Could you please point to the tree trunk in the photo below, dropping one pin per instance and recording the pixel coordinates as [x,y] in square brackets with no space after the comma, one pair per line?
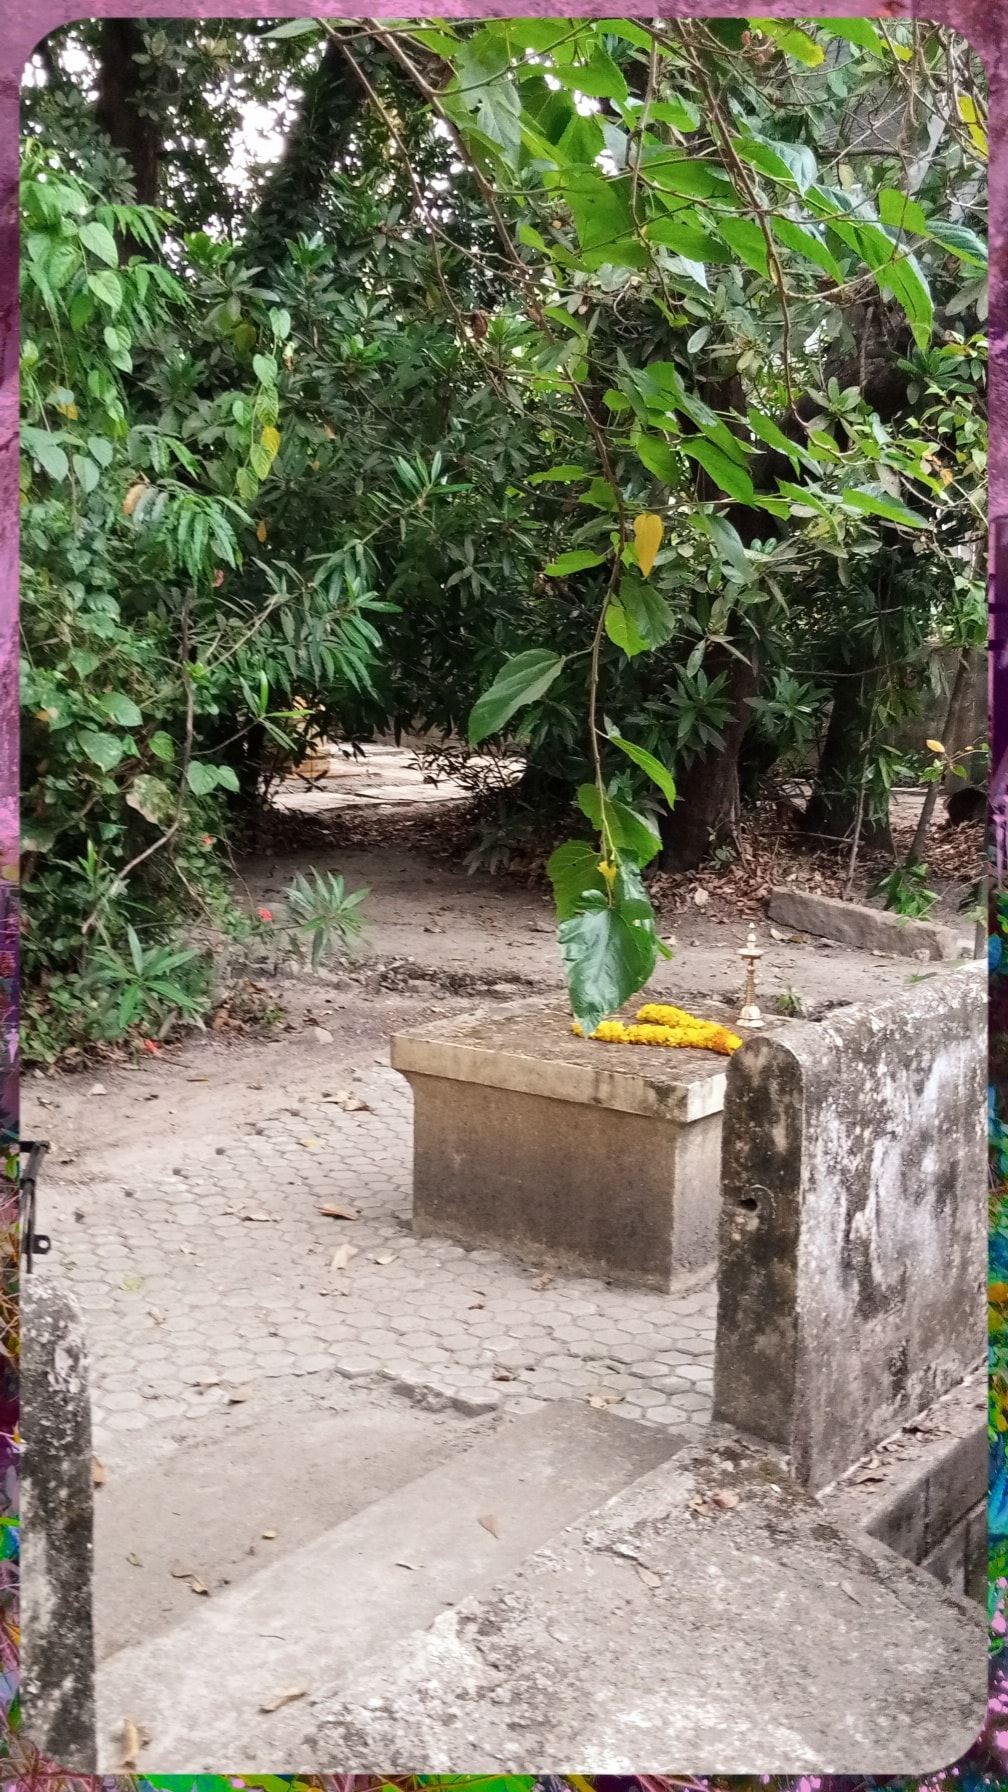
[292,195]
[707,791]
[833,806]
[957,701]
[130,129]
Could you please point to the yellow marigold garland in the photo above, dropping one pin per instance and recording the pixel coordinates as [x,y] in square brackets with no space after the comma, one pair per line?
[663,1025]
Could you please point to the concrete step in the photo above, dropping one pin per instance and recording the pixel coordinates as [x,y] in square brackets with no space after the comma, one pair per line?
[310,1618]
[205,1506]
[710,1615]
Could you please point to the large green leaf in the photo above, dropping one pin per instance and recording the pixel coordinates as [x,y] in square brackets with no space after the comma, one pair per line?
[856,31]
[485,87]
[647,609]
[658,773]
[573,869]
[957,240]
[803,240]
[599,78]
[894,271]
[107,287]
[791,40]
[879,503]
[603,219]
[152,799]
[609,952]
[793,164]
[902,213]
[660,459]
[622,632]
[521,680]
[201,778]
[684,235]
[558,475]
[578,560]
[50,456]
[122,709]
[745,237]
[100,241]
[688,177]
[105,749]
[628,831]
[770,433]
[726,473]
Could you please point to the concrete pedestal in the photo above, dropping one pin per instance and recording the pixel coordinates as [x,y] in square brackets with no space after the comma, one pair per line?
[601,1159]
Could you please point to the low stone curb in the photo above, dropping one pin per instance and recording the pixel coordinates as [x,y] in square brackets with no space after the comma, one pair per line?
[867,929]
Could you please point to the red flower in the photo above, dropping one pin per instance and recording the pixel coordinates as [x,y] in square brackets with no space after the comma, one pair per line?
[208,839]
[265,915]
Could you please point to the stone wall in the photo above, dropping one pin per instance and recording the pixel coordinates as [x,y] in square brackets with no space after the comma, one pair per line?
[852,1250]
[57,1637]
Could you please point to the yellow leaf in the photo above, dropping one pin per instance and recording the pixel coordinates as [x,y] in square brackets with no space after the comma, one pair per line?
[330,432]
[261,532]
[934,746]
[68,410]
[648,532]
[270,439]
[133,496]
[970,117]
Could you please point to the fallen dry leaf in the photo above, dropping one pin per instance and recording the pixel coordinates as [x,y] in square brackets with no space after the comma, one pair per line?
[133,1559]
[237,1395]
[410,1565]
[323,1035]
[604,1399]
[269,1535]
[130,1745]
[340,1213]
[282,1698]
[156,1314]
[501,1374]
[97,1089]
[542,1281]
[197,1586]
[312,1144]
[348,1101]
[177,1572]
[649,1578]
[475,1306]
[489,1523]
[97,1473]
[266,1217]
[725,1498]
[342,1255]
[845,1587]
[384,1257]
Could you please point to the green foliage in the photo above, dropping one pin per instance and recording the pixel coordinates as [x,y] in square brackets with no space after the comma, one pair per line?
[371,453]
[905,891]
[325,914]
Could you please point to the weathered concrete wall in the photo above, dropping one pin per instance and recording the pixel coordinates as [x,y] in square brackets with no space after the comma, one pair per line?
[852,1248]
[57,1637]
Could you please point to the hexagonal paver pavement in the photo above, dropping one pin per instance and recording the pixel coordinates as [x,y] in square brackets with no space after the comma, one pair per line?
[225,1282]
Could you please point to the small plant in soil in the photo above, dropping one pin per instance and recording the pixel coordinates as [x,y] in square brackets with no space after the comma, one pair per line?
[790,1003]
[904,891]
[325,914]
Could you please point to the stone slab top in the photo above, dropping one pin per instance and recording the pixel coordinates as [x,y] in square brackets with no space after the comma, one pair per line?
[709,1614]
[529,1047]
